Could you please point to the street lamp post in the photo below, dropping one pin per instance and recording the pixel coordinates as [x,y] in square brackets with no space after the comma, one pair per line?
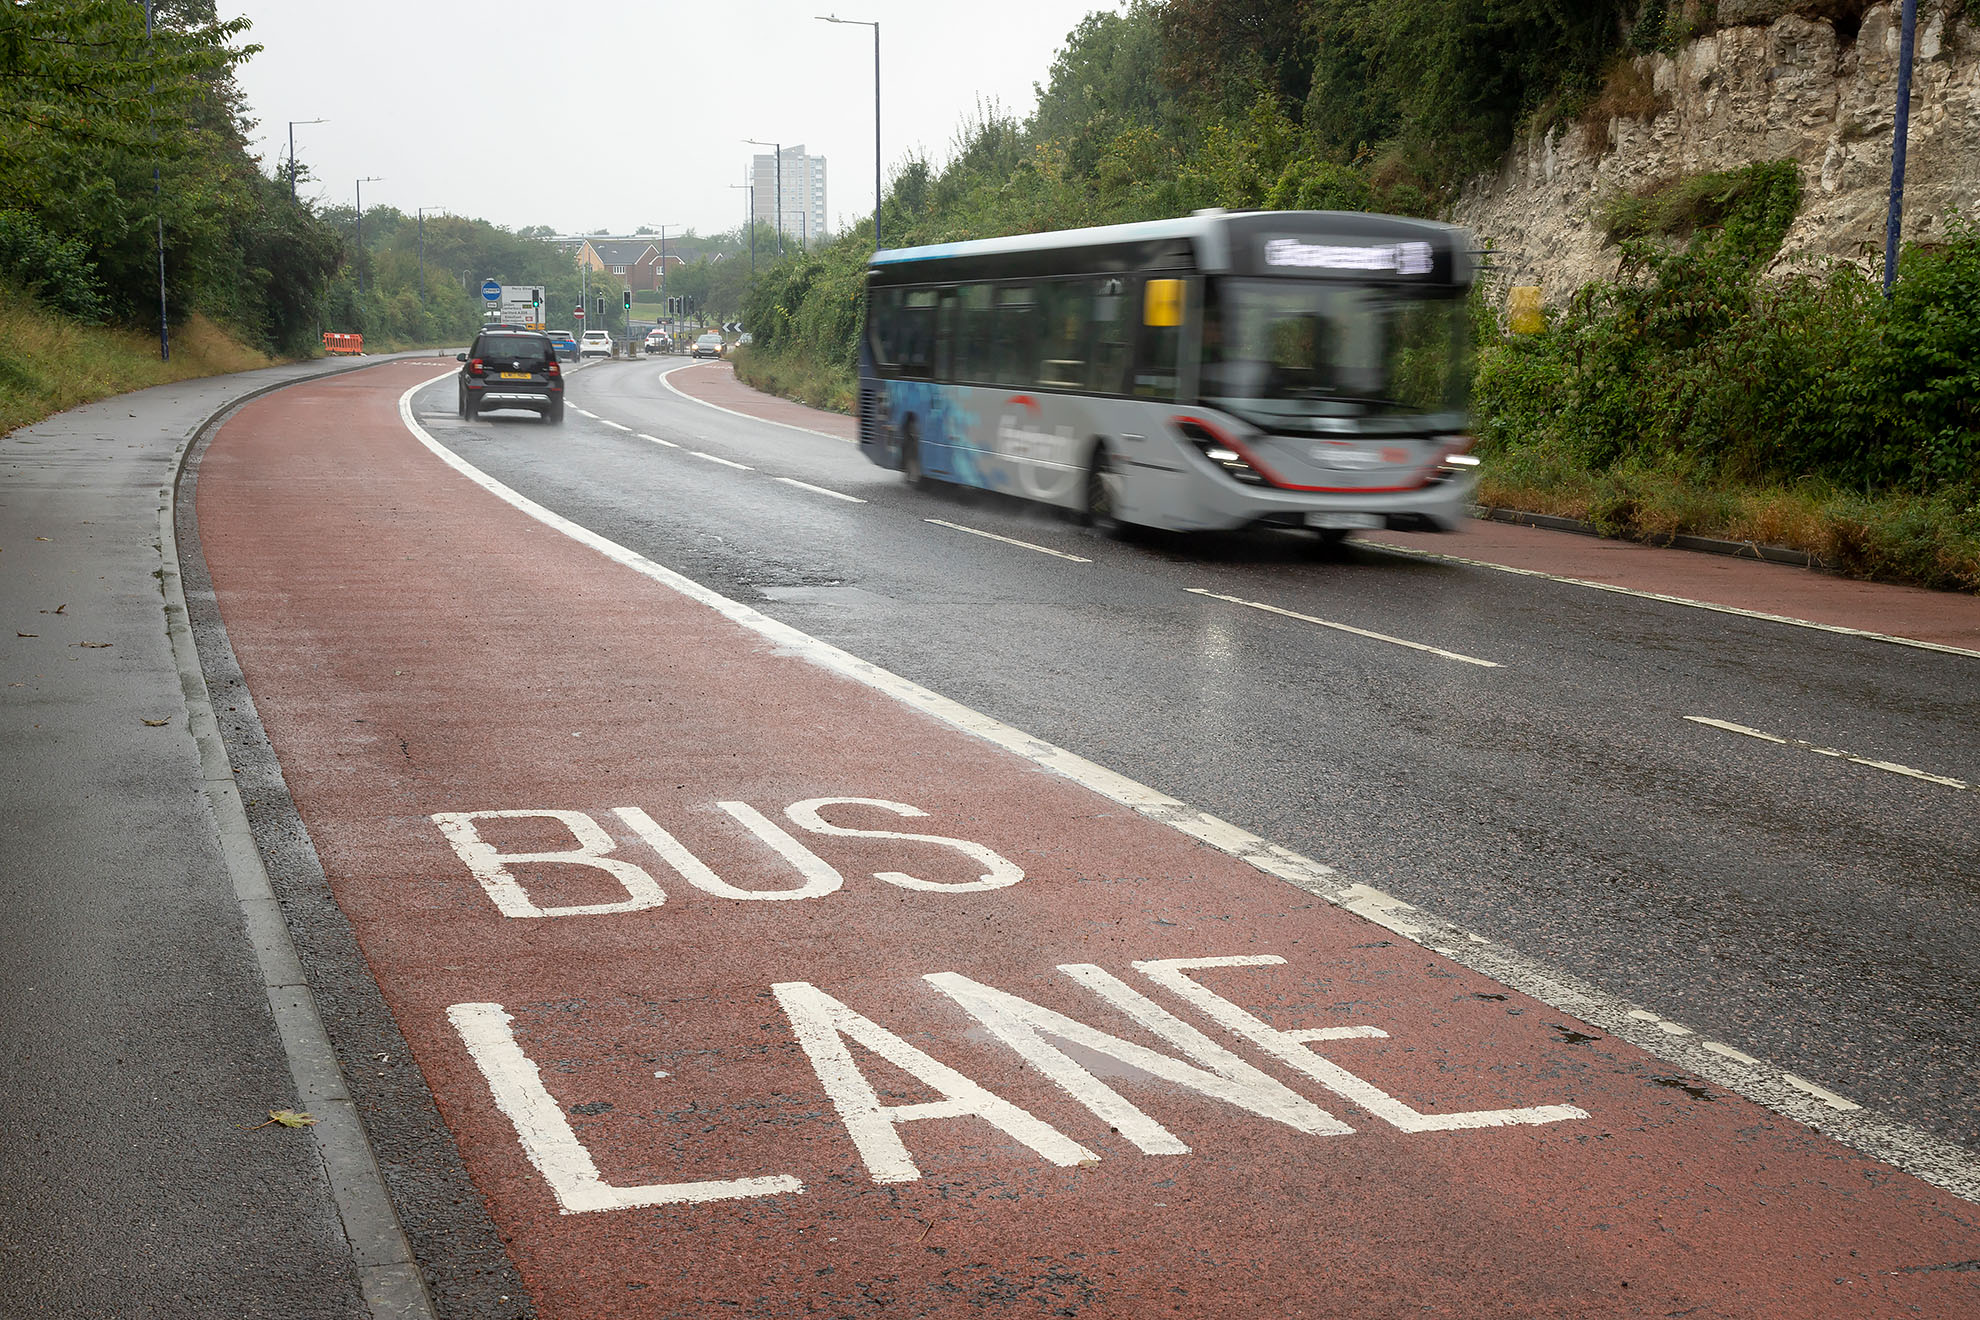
[292,151]
[369,178]
[1907,44]
[875,25]
[421,211]
[749,221]
[777,147]
[663,271]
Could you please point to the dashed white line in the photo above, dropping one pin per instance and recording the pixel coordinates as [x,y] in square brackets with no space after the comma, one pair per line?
[992,536]
[656,440]
[1686,601]
[725,462]
[583,413]
[616,426]
[1349,628]
[1851,757]
[805,485]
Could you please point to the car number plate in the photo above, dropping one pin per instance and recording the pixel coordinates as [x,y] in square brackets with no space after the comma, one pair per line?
[515,375]
[1345,520]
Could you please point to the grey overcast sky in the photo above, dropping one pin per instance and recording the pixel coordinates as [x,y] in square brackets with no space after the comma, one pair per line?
[612,114]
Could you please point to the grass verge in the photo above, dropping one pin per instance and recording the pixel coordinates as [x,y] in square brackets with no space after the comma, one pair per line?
[49,363]
[795,375]
[1913,540]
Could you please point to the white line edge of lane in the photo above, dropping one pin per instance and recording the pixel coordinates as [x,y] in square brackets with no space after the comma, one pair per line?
[1889,766]
[616,426]
[656,440]
[1686,601]
[1349,628]
[805,485]
[1007,540]
[1931,1158]
[725,462]
[788,426]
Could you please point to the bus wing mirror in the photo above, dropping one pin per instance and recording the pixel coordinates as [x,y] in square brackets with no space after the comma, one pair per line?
[1162,305]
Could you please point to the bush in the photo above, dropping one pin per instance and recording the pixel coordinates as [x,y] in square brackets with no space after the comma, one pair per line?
[56,271]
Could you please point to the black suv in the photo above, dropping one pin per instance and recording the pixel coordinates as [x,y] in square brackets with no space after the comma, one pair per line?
[512,369]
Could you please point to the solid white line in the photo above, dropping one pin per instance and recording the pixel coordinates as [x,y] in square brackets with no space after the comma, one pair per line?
[974,531]
[726,462]
[1348,628]
[616,426]
[805,485]
[1932,1158]
[582,413]
[656,440]
[745,416]
[1676,600]
[1851,757]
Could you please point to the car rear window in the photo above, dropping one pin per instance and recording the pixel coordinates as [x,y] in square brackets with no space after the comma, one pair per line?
[513,346]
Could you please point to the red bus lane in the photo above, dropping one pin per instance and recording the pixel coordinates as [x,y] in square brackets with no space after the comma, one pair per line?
[748,990]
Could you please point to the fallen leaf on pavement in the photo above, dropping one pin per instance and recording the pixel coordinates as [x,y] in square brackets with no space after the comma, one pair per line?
[288,1118]
[156,724]
[22,634]
[94,646]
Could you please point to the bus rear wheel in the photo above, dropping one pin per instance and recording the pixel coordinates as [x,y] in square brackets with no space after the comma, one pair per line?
[911,456]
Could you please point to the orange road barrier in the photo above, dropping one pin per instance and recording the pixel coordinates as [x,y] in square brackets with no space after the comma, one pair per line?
[336,343]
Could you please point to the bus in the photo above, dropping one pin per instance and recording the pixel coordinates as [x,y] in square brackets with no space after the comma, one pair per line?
[1218,371]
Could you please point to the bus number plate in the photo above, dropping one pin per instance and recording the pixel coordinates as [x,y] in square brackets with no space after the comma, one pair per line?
[1346,521]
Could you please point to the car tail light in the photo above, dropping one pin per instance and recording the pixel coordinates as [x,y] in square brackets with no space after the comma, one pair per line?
[552,369]
[476,368]
[1220,451]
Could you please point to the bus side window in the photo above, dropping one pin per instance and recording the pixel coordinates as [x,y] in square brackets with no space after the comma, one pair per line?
[885,320]
[1111,335]
[916,336]
[945,336]
[1014,337]
[1065,307]
[1159,347]
[973,335]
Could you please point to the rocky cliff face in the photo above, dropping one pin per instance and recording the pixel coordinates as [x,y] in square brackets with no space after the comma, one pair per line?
[1814,81]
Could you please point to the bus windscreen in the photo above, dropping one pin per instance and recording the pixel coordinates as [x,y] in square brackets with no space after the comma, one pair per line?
[1295,348]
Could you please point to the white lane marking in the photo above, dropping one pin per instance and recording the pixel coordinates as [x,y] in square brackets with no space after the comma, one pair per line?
[805,485]
[656,440]
[1851,757]
[1686,601]
[1348,628]
[992,536]
[823,1025]
[1826,1096]
[582,413]
[1938,1161]
[517,1086]
[616,426]
[844,440]
[725,462]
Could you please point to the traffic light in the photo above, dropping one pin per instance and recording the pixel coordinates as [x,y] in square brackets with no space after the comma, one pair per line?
[601,304]
[628,298]
[536,298]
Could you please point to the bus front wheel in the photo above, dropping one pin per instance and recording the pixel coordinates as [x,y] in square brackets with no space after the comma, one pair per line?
[1099,509]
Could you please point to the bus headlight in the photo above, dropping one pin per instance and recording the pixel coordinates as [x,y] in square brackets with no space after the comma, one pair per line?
[1218,451]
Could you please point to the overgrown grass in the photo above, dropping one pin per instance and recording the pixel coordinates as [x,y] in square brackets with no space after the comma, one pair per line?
[799,374]
[1917,540]
[49,363]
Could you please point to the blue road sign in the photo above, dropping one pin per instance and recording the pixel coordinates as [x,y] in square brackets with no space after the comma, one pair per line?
[491,291]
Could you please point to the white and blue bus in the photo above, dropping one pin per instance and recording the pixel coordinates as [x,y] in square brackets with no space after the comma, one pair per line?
[1226,370]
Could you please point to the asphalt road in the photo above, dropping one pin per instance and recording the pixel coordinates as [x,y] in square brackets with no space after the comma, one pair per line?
[1802,908]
